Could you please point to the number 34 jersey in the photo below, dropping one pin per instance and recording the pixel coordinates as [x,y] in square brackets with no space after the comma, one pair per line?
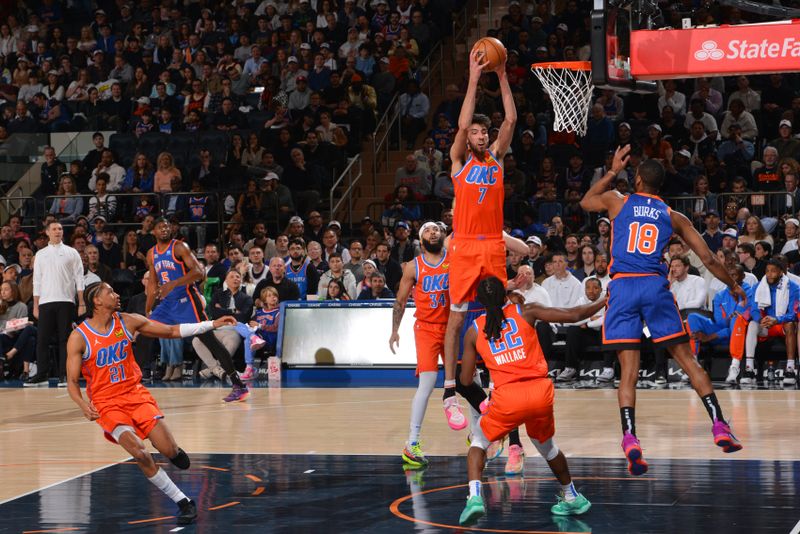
[639,234]
[432,290]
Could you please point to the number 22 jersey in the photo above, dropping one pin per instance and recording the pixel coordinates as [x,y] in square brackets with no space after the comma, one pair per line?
[639,234]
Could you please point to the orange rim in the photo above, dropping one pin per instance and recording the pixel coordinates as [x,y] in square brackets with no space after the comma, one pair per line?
[571,65]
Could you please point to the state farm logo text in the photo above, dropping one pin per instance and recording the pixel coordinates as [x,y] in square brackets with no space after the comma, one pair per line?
[744,49]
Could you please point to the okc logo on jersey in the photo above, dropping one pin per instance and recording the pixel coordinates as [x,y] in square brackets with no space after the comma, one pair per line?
[435,282]
[112,354]
[482,175]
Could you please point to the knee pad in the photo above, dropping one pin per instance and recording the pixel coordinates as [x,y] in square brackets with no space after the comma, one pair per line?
[181,461]
[121,429]
[548,449]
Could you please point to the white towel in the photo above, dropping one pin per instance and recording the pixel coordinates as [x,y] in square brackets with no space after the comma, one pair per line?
[764,299]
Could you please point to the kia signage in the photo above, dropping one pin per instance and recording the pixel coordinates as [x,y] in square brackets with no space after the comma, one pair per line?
[718,51]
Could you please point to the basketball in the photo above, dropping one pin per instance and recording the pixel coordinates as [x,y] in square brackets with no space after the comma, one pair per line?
[493,51]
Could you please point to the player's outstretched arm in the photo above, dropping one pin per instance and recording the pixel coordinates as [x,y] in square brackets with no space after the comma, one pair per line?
[151,286]
[138,323]
[536,312]
[458,150]
[76,346]
[683,227]
[518,246]
[598,198]
[506,133]
[469,357]
[399,308]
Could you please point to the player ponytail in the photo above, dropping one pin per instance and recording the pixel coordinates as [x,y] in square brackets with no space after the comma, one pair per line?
[492,295]
[89,293]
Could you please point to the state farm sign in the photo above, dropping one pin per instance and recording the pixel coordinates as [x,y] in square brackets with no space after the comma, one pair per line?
[721,51]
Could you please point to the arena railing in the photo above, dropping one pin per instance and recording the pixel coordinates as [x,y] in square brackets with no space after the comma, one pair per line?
[351,175]
[761,204]
[688,205]
[428,210]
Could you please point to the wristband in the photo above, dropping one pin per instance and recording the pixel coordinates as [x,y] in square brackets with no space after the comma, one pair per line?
[449,383]
[193,329]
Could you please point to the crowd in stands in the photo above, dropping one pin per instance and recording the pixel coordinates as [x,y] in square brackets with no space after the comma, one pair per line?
[245,112]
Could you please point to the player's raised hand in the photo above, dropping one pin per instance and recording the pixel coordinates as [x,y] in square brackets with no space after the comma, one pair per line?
[621,157]
[476,64]
[225,321]
[394,341]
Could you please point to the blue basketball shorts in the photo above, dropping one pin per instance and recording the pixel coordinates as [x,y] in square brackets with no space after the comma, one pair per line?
[180,306]
[636,300]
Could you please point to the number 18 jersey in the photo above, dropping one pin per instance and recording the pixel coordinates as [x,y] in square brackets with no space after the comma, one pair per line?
[432,290]
[639,235]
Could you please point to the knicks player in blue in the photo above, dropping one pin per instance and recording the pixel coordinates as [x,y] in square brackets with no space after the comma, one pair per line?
[641,226]
[174,273]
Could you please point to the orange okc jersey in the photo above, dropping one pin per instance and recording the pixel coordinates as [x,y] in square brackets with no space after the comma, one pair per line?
[516,355]
[431,291]
[108,363]
[479,195]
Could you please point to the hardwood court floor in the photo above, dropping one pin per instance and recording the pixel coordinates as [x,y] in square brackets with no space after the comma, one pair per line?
[44,439]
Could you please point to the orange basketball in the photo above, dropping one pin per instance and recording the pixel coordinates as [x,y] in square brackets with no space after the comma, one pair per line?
[493,51]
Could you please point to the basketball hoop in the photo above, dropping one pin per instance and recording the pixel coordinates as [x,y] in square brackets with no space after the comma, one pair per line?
[569,84]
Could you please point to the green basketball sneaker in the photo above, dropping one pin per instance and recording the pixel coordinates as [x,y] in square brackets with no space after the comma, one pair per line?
[413,455]
[473,511]
[577,507]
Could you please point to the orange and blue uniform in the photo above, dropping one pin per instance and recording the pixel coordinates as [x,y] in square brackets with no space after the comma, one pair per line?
[432,301]
[477,250]
[113,380]
[639,290]
[183,304]
[523,393]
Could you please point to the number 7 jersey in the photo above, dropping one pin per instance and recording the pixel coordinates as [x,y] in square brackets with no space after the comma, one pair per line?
[639,234]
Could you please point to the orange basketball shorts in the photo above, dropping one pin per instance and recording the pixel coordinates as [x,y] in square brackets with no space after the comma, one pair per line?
[429,338]
[136,409]
[775,330]
[472,260]
[529,402]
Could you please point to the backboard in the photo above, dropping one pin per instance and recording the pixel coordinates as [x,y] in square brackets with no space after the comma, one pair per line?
[612,24]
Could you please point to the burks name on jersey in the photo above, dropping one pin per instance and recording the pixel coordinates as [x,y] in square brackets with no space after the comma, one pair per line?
[646,211]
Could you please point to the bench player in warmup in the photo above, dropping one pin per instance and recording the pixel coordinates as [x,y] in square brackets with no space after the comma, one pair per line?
[641,226]
[101,348]
[476,249]
[174,271]
[505,338]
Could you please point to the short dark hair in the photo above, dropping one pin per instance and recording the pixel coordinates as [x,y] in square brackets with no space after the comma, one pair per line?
[297,241]
[483,120]
[683,259]
[748,248]
[334,255]
[775,263]
[594,279]
[652,173]
[765,245]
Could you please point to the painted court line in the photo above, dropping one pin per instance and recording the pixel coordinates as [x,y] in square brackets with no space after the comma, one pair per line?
[54,484]
[796,529]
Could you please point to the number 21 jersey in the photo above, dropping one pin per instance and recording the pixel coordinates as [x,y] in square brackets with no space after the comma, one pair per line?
[639,234]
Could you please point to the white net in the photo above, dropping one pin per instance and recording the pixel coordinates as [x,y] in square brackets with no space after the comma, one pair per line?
[570,91]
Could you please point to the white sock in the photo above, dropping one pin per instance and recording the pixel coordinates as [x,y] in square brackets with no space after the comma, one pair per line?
[790,365]
[750,363]
[162,481]
[735,363]
[474,488]
[750,342]
[570,493]
[427,381]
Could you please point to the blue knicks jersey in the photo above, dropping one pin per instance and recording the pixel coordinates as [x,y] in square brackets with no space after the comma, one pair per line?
[639,235]
[299,277]
[169,268]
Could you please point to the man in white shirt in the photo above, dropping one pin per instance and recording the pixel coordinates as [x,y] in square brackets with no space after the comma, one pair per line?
[564,289]
[116,173]
[532,293]
[689,290]
[587,333]
[57,279]
[337,272]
